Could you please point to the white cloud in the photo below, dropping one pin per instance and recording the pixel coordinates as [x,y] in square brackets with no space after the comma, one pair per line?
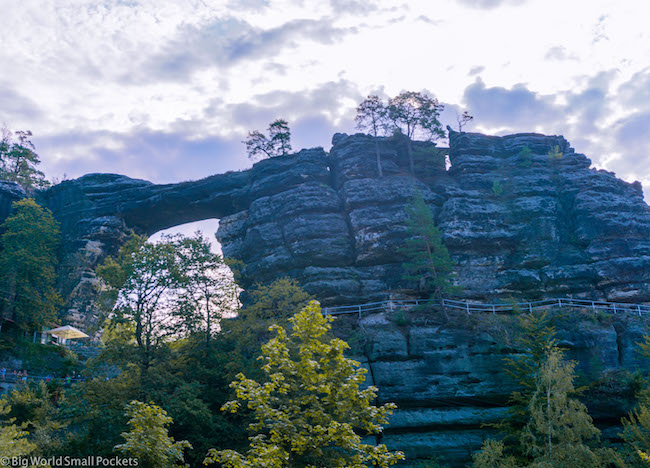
[100,82]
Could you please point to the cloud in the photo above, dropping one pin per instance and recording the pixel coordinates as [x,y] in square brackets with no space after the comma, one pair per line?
[518,109]
[157,156]
[476,70]
[352,6]
[228,41]
[15,106]
[635,93]
[332,104]
[489,4]
[559,53]
[251,5]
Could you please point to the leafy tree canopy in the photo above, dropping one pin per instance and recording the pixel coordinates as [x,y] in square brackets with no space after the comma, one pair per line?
[30,241]
[148,440]
[309,410]
[18,160]
[277,143]
[371,115]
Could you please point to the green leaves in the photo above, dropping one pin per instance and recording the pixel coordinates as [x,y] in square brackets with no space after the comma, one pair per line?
[278,143]
[28,260]
[18,161]
[309,410]
[147,439]
[427,259]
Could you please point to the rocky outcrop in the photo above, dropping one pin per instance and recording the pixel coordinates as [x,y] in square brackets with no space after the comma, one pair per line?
[9,193]
[517,221]
[449,380]
[522,215]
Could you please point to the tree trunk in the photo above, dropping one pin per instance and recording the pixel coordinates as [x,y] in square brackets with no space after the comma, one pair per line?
[379,171]
[548,416]
[410,151]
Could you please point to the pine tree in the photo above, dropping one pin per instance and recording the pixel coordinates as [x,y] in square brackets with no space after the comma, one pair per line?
[427,258]
[18,161]
[28,261]
[537,336]
[559,426]
[280,137]
[309,410]
[278,143]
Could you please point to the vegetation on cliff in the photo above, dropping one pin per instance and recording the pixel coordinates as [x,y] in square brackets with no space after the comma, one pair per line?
[28,259]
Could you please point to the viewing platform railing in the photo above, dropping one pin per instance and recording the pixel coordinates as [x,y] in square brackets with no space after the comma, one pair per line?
[469,307]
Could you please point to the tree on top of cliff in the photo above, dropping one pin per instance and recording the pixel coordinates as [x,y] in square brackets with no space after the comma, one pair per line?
[427,258]
[18,160]
[416,114]
[309,410]
[278,143]
[28,260]
[371,115]
[463,120]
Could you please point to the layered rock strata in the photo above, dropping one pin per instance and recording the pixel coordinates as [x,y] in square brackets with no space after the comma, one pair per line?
[522,215]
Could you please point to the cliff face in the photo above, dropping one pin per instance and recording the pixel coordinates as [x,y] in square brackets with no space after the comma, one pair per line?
[517,222]
[449,379]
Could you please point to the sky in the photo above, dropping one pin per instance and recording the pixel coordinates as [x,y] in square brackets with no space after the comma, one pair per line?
[166,90]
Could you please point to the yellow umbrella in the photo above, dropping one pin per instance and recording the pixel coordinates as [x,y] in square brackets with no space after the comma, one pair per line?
[67,332]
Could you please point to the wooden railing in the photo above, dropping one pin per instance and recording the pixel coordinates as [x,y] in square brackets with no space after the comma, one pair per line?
[469,307]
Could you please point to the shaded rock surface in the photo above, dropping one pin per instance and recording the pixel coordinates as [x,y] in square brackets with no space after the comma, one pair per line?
[517,222]
[450,382]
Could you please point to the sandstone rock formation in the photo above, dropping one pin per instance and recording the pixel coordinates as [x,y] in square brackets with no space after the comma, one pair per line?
[516,223]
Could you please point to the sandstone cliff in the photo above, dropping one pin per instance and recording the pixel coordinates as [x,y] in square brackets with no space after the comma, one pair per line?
[517,223]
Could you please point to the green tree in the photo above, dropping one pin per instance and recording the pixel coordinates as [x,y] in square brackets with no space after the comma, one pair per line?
[492,455]
[148,440]
[18,161]
[463,120]
[267,304]
[559,427]
[13,439]
[371,115]
[536,337]
[310,409]
[140,282]
[30,242]
[207,288]
[278,143]
[427,258]
[279,300]
[280,136]
[416,115]
[636,432]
